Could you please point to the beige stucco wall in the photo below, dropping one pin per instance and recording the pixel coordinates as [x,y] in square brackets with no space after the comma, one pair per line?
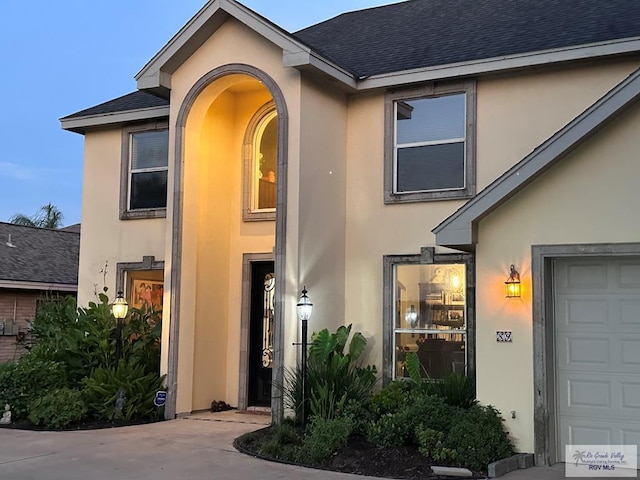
[322,202]
[514,115]
[590,197]
[213,232]
[105,238]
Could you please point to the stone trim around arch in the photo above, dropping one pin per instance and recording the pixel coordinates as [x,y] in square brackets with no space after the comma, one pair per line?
[277,407]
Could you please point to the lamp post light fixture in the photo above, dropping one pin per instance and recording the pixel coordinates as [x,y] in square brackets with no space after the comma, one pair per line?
[304,309]
[512,285]
[119,309]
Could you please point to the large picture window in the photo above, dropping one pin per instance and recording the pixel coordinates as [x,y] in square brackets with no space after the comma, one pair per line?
[145,169]
[428,313]
[430,148]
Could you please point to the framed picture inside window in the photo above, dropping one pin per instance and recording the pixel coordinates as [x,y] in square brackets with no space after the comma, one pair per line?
[147,294]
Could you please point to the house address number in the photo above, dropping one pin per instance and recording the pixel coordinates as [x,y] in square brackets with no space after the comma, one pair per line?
[503,336]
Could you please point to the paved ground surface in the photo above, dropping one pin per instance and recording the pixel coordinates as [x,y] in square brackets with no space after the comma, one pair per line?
[196,448]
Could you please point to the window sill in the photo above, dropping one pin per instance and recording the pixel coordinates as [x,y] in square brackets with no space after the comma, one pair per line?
[248,216]
[392,198]
[143,214]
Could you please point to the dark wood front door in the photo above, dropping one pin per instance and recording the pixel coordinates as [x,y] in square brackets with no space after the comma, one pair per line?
[261,333]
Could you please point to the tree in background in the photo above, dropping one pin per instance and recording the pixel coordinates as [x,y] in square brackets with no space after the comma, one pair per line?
[49,216]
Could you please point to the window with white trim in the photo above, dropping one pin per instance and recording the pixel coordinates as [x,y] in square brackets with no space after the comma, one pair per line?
[145,171]
[430,148]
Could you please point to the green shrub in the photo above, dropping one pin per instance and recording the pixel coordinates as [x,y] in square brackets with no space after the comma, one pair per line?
[392,397]
[58,408]
[431,412]
[101,391]
[455,389]
[284,443]
[27,380]
[391,429]
[478,437]
[359,415]
[334,375]
[324,437]
[431,445]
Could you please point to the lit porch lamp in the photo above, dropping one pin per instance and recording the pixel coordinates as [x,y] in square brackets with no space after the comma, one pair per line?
[512,285]
[119,309]
[304,309]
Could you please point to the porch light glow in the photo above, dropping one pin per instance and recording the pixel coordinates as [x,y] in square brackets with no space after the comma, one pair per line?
[304,306]
[512,285]
[120,307]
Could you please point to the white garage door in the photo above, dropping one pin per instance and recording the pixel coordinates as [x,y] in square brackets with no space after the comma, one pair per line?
[597,321]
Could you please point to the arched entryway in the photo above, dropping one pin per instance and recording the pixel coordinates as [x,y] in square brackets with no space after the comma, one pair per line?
[229,205]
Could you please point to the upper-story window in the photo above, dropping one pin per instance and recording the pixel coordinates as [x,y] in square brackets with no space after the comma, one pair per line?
[430,143]
[145,166]
[261,160]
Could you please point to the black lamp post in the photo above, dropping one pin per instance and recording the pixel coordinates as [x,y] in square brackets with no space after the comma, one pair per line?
[304,308]
[119,309]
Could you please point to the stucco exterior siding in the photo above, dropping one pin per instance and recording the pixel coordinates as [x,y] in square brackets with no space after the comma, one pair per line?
[214,237]
[516,114]
[105,238]
[589,197]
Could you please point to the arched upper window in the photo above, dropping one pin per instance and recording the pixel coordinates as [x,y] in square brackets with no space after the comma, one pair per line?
[261,160]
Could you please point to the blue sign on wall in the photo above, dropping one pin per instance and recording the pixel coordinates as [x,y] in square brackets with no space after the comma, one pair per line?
[160,398]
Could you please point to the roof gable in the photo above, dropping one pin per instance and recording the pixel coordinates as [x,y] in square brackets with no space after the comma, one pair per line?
[38,255]
[156,74]
[459,229]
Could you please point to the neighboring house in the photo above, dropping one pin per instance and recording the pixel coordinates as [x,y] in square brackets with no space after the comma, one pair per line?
[329,156]
[33,262]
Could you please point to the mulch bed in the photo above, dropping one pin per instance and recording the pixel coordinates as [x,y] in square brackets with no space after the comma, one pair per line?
[85,425]
[363,458]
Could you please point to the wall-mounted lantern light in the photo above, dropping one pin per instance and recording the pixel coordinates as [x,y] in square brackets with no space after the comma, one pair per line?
[512,285]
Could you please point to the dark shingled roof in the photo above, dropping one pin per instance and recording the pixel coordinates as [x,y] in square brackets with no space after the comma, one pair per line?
[38,255]
[424,33]
[131,101]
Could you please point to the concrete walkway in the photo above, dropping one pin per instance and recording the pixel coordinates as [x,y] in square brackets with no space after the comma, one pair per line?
[195,448]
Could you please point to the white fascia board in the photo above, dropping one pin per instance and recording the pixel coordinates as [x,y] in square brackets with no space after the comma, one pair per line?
[498,64]
[17,285]
[458,228]
[79,124]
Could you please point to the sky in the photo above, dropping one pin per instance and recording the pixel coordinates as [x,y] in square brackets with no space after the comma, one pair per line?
[59,57]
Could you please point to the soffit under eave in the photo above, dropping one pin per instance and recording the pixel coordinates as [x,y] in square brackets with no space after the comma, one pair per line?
[156,74]
[460,228]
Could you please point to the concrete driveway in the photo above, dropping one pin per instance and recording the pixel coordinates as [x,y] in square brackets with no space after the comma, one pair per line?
[194,448]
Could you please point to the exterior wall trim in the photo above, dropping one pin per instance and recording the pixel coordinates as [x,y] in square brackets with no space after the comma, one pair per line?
[430,90]
[459,229]
[125,213]
[426,256]
[277,405]
[147,263]
[245,324]
[542,257]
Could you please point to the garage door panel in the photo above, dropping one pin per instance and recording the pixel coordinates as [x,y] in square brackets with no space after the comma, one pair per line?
[597,351]
[629,275]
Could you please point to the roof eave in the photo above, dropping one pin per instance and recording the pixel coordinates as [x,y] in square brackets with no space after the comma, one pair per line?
[81,124]
[459,228]
[43,286]
[503,63]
